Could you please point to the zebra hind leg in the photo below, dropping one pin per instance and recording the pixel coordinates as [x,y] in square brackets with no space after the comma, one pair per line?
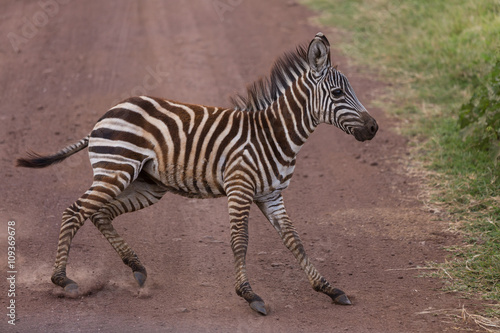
[99,194]
[139,194]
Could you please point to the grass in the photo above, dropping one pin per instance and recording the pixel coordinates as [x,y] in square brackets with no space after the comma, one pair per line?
[434,55]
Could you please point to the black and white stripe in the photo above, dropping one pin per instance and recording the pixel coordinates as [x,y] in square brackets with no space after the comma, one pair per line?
[145,147]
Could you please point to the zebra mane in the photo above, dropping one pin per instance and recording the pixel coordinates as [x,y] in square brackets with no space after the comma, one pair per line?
[263,92]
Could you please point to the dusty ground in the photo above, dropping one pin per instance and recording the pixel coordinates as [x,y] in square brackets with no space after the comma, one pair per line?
[356,210]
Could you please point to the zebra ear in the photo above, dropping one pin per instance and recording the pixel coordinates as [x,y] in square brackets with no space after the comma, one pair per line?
[318,53]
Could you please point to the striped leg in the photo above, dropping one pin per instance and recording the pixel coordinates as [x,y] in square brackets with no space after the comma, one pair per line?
[274,209]
[239,201]
[141,193]
[100,193]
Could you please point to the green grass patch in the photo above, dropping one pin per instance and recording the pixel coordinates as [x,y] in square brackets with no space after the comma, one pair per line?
[441,61]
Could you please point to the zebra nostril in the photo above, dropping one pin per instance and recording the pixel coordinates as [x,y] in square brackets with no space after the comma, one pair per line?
[374,127]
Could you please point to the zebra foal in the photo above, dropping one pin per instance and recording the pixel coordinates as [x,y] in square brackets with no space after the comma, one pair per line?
[145,147]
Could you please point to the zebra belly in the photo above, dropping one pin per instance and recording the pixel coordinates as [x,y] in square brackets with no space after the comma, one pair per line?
[184,181]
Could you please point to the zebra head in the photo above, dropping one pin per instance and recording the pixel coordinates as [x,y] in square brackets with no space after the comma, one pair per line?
[334,99]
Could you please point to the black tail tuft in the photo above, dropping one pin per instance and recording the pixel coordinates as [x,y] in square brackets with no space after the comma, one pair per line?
[34,160]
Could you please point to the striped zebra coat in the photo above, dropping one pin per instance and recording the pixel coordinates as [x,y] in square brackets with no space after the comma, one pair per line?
[145,147]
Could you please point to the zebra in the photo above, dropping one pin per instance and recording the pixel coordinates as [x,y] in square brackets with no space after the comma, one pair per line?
[144,147]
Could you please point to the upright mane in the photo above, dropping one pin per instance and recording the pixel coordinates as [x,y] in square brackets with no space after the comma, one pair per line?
[263,92]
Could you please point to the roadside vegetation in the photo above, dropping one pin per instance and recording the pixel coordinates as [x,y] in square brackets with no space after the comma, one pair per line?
[441,63]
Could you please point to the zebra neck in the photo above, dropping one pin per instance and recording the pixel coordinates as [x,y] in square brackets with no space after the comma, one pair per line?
[290,121]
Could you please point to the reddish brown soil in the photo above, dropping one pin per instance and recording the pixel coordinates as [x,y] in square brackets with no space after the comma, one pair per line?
[356,209]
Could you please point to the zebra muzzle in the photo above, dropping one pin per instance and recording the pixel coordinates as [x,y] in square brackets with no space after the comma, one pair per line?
[368,130]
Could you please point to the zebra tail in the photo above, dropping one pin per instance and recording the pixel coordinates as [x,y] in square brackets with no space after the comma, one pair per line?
[34,160]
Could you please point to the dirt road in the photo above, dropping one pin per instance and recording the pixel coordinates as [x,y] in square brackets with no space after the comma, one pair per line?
[64,63]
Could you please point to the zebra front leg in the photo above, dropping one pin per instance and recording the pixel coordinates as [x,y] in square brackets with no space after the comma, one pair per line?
[274,209]
[239,201]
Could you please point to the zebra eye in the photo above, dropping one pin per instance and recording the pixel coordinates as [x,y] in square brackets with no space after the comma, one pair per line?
[337,92]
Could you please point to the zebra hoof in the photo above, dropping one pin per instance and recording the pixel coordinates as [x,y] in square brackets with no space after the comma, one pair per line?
[140,278]
[342,300]
[259,306]
[339,297]
[71,289]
